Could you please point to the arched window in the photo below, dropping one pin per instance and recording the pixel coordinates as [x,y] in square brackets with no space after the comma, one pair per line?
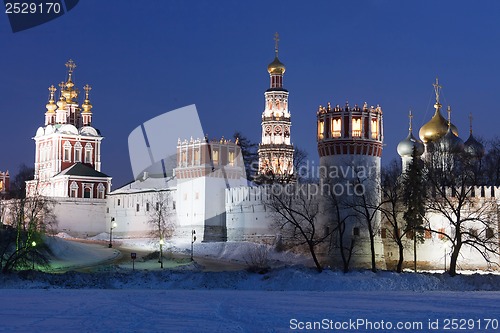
[78,152]
[356,127]
[321,129]
[336,128]
[73,190]
[67,152]
[88,153]
[100,191]
[88,190]
[374,129]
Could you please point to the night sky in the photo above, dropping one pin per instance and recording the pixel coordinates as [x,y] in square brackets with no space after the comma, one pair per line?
[144,58]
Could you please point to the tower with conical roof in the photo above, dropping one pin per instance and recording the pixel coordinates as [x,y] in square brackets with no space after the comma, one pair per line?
[275,149]
[68,148]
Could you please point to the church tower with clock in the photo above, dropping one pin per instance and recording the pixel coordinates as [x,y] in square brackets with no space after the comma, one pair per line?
[275,149]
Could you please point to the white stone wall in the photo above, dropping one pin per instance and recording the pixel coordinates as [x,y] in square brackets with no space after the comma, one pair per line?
[247,218]
[80,217]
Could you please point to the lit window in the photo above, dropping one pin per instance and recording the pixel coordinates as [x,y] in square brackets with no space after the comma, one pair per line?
[374,129]
[197,156]
[231,158]
[215,156]
[356,127]
[184,158]
[336,128]
[321,129]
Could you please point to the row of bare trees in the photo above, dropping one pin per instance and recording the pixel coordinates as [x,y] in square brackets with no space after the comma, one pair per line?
[442,184]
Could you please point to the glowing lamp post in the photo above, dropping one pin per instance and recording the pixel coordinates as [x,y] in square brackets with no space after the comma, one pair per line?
[33,244]
[193,239]
[113,225]
[161,253]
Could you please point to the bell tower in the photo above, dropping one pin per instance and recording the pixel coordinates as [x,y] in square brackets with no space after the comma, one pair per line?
[275,149]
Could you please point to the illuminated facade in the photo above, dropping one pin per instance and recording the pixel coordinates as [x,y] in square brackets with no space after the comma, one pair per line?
[275,149]
[68,147]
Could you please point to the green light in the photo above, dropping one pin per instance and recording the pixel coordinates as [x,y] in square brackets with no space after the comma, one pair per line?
[33,243]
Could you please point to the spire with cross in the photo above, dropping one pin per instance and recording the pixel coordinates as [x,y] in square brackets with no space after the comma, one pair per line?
[410,116]
[470,123]
[276,41]
[449,116]
[87,89]
[52,90]
[437,90]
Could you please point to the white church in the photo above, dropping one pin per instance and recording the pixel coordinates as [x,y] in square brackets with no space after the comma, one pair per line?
[207,190]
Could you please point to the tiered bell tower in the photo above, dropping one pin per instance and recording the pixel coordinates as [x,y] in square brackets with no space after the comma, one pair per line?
[275,149]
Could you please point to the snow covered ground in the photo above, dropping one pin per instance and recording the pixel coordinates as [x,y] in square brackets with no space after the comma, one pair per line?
[134,310]
[286,299]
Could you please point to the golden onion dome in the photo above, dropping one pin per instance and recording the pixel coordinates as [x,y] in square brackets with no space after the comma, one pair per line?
[435,128]
[276,67]
[61,103]
[51,106]
[86,106]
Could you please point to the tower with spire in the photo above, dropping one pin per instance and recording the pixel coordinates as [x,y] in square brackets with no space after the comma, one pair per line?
[409,145]
[275,149]
[68,148]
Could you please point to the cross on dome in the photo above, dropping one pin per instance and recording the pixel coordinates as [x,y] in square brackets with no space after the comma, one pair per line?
[276,41]
[437,89]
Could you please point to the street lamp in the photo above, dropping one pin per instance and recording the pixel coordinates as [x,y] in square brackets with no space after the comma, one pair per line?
[33,244]
[193,239]
[161,253]
[111,227]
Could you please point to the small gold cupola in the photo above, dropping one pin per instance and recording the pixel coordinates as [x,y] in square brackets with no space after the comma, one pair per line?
[70,94]
[50,115]
[276,67]
[87,107]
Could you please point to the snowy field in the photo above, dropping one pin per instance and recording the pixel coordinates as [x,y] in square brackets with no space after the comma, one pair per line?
[286,299]
[156,310]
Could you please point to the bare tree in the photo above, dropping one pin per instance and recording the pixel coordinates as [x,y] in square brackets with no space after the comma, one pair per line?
[340,241]
[295,213]
[471,220]
[299,163]
[161,218]
[161,215]
[249,154]
[21,242]
[392,207]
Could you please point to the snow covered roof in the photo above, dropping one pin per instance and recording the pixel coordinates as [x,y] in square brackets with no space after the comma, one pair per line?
[147,185]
